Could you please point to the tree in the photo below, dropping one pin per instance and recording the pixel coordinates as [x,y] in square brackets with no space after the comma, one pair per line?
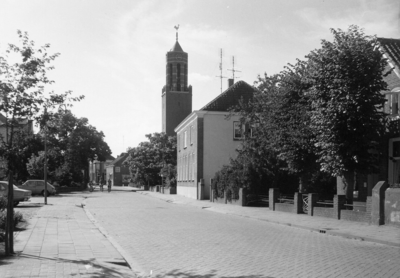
[35,165]
[347,116]
[152,158]
[23,78]
[72,141]
[281,139]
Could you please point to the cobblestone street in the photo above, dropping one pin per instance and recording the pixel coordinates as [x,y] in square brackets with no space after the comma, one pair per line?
[176,240]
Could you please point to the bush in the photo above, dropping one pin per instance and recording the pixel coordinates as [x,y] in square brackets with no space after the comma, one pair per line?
[18,218]
[226,180]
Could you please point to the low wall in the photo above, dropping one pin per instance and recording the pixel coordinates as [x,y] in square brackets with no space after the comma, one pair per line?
[218,200]
[353,215]
[238,202]
[392,207]
[168,191]
[323,212]
[284,207]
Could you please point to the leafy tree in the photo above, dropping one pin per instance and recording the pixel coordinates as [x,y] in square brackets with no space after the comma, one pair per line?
[72,141]
[35,165]
[347,116]
[152,158]
[23,78]
[281,139]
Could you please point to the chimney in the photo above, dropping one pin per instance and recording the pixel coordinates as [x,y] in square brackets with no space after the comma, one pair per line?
[230,82]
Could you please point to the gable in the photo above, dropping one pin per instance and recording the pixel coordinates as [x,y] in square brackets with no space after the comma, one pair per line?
[231,97]
[391,50]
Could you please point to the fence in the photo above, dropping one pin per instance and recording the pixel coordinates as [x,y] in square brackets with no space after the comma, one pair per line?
[285,203]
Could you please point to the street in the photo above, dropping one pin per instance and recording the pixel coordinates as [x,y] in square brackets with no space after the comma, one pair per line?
[176,240]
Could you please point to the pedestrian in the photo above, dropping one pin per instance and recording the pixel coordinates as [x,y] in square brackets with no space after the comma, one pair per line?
[90,186]
[102,184]
[109,185]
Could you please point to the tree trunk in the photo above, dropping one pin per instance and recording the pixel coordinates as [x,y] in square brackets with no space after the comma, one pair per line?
[345,185]
[10,216]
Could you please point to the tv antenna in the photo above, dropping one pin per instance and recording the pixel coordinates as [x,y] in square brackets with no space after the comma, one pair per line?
[233,69]
[220,67]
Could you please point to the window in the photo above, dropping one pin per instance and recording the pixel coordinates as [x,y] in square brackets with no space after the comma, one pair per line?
[185,77]
[189,167]
[170,76]
[185,140]
[177,170]
[237,130]
[193,166]
[191,135]
[178,78]
[184,168]
[117,169]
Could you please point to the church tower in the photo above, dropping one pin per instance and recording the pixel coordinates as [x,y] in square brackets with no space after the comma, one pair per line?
[176,94]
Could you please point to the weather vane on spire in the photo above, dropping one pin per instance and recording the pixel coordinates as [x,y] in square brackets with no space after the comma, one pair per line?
[176,27]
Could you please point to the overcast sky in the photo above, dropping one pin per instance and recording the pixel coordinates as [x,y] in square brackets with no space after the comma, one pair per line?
[113,51]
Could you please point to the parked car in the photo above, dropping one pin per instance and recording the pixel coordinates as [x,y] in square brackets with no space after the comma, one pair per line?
[20,195]
[37,187]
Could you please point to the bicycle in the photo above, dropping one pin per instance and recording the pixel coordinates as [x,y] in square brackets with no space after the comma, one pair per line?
[91,187]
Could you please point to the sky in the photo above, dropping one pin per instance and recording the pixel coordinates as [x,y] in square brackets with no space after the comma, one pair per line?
[113,51]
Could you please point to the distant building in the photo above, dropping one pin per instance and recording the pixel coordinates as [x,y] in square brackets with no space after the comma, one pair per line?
[391,51]
[176,94]
[118,173]
[23,124]
[97,169]
[207,139]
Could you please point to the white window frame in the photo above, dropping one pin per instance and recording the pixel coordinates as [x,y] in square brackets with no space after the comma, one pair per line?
[193,165]
[237,126]
[185,139]
[191,134]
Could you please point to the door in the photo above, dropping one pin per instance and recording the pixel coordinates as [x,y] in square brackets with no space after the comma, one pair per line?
[394,161]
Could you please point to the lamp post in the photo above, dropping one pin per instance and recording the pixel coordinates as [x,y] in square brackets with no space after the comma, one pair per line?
[45,157]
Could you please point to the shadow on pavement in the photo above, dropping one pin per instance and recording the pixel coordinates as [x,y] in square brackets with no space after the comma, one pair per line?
[211,274]
[92,267]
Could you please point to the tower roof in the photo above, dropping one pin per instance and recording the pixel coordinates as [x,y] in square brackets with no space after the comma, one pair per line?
[177,47]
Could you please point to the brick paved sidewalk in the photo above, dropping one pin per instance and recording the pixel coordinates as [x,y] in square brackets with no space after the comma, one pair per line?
[354,230]
[61,241]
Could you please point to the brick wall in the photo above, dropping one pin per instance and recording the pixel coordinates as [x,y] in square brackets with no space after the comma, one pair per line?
[323,212]
[351,215]
[368,209]
[284,207]
[392,207]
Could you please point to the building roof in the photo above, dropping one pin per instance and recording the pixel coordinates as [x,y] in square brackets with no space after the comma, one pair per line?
[120,159]
[231,97]
[391,47]
[177,47]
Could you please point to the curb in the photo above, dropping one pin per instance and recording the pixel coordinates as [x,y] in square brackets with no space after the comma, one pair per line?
[321,231]
[135,268]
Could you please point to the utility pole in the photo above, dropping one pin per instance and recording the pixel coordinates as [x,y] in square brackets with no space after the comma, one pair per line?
[220,67]
[233,69]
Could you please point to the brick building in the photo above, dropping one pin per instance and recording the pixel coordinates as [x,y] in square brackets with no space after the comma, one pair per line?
[176,94]
[390,162]
[207,139]
[391,51]
[119,174]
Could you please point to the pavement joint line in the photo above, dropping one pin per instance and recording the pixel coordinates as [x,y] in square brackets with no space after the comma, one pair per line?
[321,231]
[135,268]
[30,229]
